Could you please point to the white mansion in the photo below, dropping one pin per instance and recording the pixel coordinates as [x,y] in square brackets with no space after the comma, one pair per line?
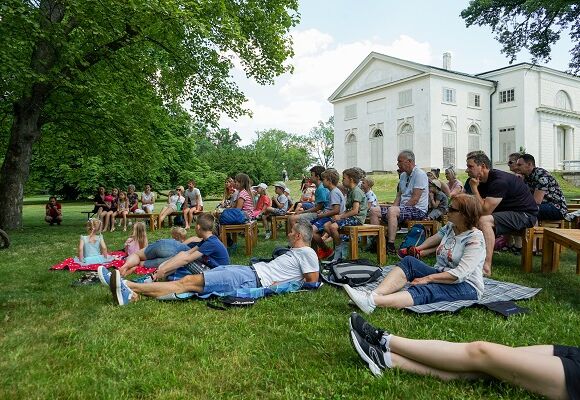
[388,104]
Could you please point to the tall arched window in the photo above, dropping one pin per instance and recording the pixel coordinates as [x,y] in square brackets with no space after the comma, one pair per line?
[377,150]
[405,137]
[351,150]
[473,140]
[449,134]
[563,101]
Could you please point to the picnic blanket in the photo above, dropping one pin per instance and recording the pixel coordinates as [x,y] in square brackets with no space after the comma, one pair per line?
[494,291]
[117,262]
[251,293]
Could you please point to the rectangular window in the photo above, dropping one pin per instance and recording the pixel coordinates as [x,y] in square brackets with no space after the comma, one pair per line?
[474,100]
[505,96]
[448,95]
[507,143]
[405,98]
[376,106]
[350,112]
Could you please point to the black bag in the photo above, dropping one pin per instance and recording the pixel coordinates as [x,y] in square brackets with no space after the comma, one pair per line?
[351,272]
[231,301]
[277,252]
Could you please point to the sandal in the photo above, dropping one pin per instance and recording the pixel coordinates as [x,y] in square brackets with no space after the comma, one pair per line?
[90,278]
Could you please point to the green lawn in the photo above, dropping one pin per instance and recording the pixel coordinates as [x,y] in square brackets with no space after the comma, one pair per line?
[59,341]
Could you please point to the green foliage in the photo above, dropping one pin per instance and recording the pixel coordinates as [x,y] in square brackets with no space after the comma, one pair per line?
[321,139]
[534,25]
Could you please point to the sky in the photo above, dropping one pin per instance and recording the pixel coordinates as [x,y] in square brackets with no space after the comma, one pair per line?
[333,38]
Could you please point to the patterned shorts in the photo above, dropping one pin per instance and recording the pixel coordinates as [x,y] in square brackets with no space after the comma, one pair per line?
[278,211]
[350,221]
[407,213]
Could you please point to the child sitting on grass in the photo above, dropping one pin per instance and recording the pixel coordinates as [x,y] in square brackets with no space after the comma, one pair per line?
[137,240]
[279,207]
[336,205]
[355,212]
[92,247]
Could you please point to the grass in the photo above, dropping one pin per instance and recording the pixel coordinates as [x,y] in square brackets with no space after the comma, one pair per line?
[59,341]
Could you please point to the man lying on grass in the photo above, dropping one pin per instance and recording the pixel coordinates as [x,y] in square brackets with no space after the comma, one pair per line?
[299,263]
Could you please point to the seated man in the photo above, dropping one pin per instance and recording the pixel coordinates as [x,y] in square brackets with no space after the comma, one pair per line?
[412,198]
[544,187]
[53,212]
[321,197]
[507,203]
[300,262]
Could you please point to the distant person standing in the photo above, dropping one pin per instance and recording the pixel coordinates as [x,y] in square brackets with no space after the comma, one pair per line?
[53,212]
[285,175]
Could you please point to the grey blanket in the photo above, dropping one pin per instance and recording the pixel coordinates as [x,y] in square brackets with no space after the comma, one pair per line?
[494,291]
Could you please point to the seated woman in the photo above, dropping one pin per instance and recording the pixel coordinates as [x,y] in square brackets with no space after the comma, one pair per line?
[148,200]
[454,185]
[552,371]
[458,272]
[174,203]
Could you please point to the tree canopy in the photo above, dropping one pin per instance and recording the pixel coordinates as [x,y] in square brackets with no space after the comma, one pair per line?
[534,25]
[79,75]
[321,139]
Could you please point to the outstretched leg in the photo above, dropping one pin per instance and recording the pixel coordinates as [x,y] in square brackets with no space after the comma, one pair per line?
[132,262]
[189,283]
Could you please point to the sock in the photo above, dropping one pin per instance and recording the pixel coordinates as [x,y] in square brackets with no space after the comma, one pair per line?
[390,245]
[387,358]
[386,340]
[372,299]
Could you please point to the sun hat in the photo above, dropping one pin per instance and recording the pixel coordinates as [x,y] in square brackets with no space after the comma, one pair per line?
[435,182]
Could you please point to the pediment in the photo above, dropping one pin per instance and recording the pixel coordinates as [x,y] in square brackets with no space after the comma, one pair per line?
[374,72]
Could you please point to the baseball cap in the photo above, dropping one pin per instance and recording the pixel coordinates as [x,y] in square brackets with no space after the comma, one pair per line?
[435,182]
[280,184]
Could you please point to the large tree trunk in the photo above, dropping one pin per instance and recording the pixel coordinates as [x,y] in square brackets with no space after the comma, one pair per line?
[16,167]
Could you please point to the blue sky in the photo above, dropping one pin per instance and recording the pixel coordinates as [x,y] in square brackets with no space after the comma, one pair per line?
[333,37]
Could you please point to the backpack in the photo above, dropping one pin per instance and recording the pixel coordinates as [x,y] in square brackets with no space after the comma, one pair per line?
[416,235]
[351,272]
[277,252]
[232,216]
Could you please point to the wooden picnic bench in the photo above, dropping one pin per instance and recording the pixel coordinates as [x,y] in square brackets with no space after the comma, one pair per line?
[90,214]
[554,237]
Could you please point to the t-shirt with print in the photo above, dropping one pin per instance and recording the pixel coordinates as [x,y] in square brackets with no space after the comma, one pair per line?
[322,195]
[336,197]
[357,195]
[462,256]
[372,198]
[213,250]
[248,205]
[133,199]
[191,197]
[283,201]
[416,180]
[541,179]
[514,193]
[290,266]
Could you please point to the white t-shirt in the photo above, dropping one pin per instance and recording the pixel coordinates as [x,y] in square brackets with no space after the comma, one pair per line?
[417,180]
[462,256]
[191,197]
[283,201]
[290,266]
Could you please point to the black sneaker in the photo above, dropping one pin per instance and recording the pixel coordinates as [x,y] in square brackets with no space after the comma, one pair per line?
[391,249]
[372,355]
[366,330]
[371,246]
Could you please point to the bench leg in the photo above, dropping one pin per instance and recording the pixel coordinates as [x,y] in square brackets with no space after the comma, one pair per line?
[548,255]
[223,236]
[354,244]
[151,223]
[248,237]
[274,228]
[382,247]
[527,248]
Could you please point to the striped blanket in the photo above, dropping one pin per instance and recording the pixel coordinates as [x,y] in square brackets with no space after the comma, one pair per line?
[494,291]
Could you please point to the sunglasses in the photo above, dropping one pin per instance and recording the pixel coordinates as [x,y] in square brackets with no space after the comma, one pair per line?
[453,209]
[179,190]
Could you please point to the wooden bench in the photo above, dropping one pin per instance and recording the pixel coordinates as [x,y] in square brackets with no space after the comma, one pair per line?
[533,237]
[364,231]
[554,237]
[431,226]
[151,217]
[169,218]
[90,214]
[276,219]
[249,229]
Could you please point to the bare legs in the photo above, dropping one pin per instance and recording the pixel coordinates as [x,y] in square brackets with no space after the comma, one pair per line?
[189,283]
[132,262]
[375,215]
[388,294]
[393,223]
[112,215]
[188,214]
[533,368]
[486,225]
[124,216]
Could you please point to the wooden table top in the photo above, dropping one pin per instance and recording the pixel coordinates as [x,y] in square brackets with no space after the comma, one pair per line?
[566,237]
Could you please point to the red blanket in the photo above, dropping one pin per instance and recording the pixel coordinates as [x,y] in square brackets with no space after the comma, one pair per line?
[118,262]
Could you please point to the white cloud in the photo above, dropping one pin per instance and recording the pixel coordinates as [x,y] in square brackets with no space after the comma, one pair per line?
[298,101]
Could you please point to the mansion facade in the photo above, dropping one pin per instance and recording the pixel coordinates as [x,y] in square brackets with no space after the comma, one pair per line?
[388,104]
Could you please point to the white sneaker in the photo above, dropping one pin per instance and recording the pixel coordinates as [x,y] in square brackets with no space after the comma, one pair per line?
[361,299]
[130,223]
[268,235]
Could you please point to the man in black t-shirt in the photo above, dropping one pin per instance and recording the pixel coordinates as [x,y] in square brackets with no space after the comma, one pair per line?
[507,204]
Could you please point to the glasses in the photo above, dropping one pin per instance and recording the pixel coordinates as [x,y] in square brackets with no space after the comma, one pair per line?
[511,162]
[453,209]
[179,190]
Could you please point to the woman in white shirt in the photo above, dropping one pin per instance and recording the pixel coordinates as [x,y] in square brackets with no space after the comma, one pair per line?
[174,202]
[457,274]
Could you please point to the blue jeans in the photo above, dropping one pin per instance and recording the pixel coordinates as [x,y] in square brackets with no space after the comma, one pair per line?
[433,292]
[549,212]
[228,278]
[162,250]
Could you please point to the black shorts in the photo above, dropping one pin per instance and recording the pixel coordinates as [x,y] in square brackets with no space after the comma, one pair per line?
[96,209]
[570,357]
[512,221]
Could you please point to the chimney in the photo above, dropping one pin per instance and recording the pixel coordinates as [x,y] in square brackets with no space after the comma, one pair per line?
[447,60]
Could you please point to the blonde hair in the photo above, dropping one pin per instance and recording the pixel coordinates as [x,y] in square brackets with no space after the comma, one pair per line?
[178,233]
[140,234]
[93,225]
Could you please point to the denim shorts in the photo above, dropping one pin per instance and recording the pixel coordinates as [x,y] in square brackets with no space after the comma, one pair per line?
[319,223]
[307,205]
[228,278]
[164,248]
[433,292]
[548,211]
